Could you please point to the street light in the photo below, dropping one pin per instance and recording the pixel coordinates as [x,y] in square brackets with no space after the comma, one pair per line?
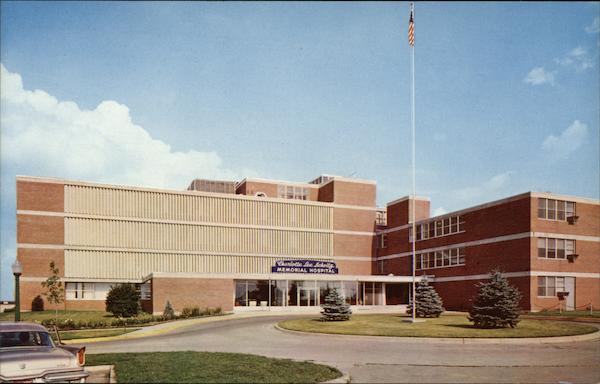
[17,270]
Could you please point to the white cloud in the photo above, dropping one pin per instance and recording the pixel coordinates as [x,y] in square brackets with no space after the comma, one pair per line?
[561,146]
[489,187]
[539,76]
[594,27]
[439,211]
[578,59]
[44,136]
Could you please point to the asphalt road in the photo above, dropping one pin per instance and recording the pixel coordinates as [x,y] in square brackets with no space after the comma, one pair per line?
[374,359]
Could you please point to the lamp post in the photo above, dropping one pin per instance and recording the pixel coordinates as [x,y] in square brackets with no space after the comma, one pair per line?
[17,270]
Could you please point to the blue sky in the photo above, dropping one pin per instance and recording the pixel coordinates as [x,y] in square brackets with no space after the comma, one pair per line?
[158,93]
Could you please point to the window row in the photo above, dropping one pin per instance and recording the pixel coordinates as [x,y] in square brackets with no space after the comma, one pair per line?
[549,248]
[99,291]
[437,228]
[302,293]
[438,259]
[292,192]
[550,285]
[555,209]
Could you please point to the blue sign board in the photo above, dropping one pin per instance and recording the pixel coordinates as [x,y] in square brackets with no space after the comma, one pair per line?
[305,266]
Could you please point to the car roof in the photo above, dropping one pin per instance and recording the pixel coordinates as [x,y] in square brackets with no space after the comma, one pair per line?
[21,327]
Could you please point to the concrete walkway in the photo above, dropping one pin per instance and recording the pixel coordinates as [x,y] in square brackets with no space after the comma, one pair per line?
[379,359]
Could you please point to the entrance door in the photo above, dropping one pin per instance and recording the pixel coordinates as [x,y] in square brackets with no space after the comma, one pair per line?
[570,287]
[308,297]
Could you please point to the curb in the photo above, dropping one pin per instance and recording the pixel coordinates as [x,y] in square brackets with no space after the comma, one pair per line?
[105,371]
[342,379]
[168,327]
[171,326]
[460,340]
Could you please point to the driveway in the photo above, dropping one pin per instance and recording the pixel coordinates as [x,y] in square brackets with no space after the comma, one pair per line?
[378,359]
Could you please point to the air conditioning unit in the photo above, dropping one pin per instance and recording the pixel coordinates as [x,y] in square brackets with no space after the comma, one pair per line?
[572,257]
[572,219]
[562,295]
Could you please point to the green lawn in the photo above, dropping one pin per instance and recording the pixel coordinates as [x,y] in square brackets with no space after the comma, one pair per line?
[445,326]
[210,367]
[73,315]
[89,333]
[565,313]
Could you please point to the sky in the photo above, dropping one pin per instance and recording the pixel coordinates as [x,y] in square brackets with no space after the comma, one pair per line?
[157,93]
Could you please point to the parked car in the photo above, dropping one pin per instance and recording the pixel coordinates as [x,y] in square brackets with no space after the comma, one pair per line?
[28,354]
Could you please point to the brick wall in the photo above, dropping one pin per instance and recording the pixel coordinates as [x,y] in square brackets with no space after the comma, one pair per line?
[39,196]
[188,292]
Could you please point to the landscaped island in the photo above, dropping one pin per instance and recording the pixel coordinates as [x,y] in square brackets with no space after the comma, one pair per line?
[444,326]
[210,367]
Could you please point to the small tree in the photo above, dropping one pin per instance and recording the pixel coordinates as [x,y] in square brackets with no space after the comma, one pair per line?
[37,304]
[335,307]
[55,292]
[123,300]
[168,312]
[496,304]
[429,303]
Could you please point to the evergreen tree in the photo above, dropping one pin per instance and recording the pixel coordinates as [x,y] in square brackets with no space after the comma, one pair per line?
[335,307]
[168,312]
[429,303]
[123,300]
[496,304]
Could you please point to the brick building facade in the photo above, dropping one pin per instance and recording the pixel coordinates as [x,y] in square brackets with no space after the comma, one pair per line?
[204,248]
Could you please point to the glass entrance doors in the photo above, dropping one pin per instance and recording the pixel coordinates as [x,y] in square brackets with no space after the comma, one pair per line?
[308,297]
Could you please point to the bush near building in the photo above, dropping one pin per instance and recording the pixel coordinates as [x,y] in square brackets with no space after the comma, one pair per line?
[123,300]
[37,304]
[428,303]
[335,307]
[496,304]
[168,312]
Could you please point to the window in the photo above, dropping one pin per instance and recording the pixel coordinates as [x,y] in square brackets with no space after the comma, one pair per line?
[454,224]
[555,209]
[570,209]
[549,285]
[542,208]
[436,228]
[551,209]
[560,210]
[383,240]
[81,291]
[438,259]
[569,247]
[549,248]
[291,192]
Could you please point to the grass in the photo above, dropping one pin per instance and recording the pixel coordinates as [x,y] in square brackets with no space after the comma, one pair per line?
[44,315]
[444,326]
[565,313]
[210,367]
[88,333]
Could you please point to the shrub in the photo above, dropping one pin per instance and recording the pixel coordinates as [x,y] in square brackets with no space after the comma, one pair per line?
[335,307]
[11,309]
[37,304]
[195,311]
[123,300]
[496,304]
[428,303]
[168,312]
[186,312]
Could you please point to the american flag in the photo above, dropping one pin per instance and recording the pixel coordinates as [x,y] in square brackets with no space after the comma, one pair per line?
[411,28]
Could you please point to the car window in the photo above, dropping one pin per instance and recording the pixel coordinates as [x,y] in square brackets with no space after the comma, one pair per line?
[25,339]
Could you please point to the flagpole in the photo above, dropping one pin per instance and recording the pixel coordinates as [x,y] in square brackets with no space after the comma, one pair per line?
[412,125]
